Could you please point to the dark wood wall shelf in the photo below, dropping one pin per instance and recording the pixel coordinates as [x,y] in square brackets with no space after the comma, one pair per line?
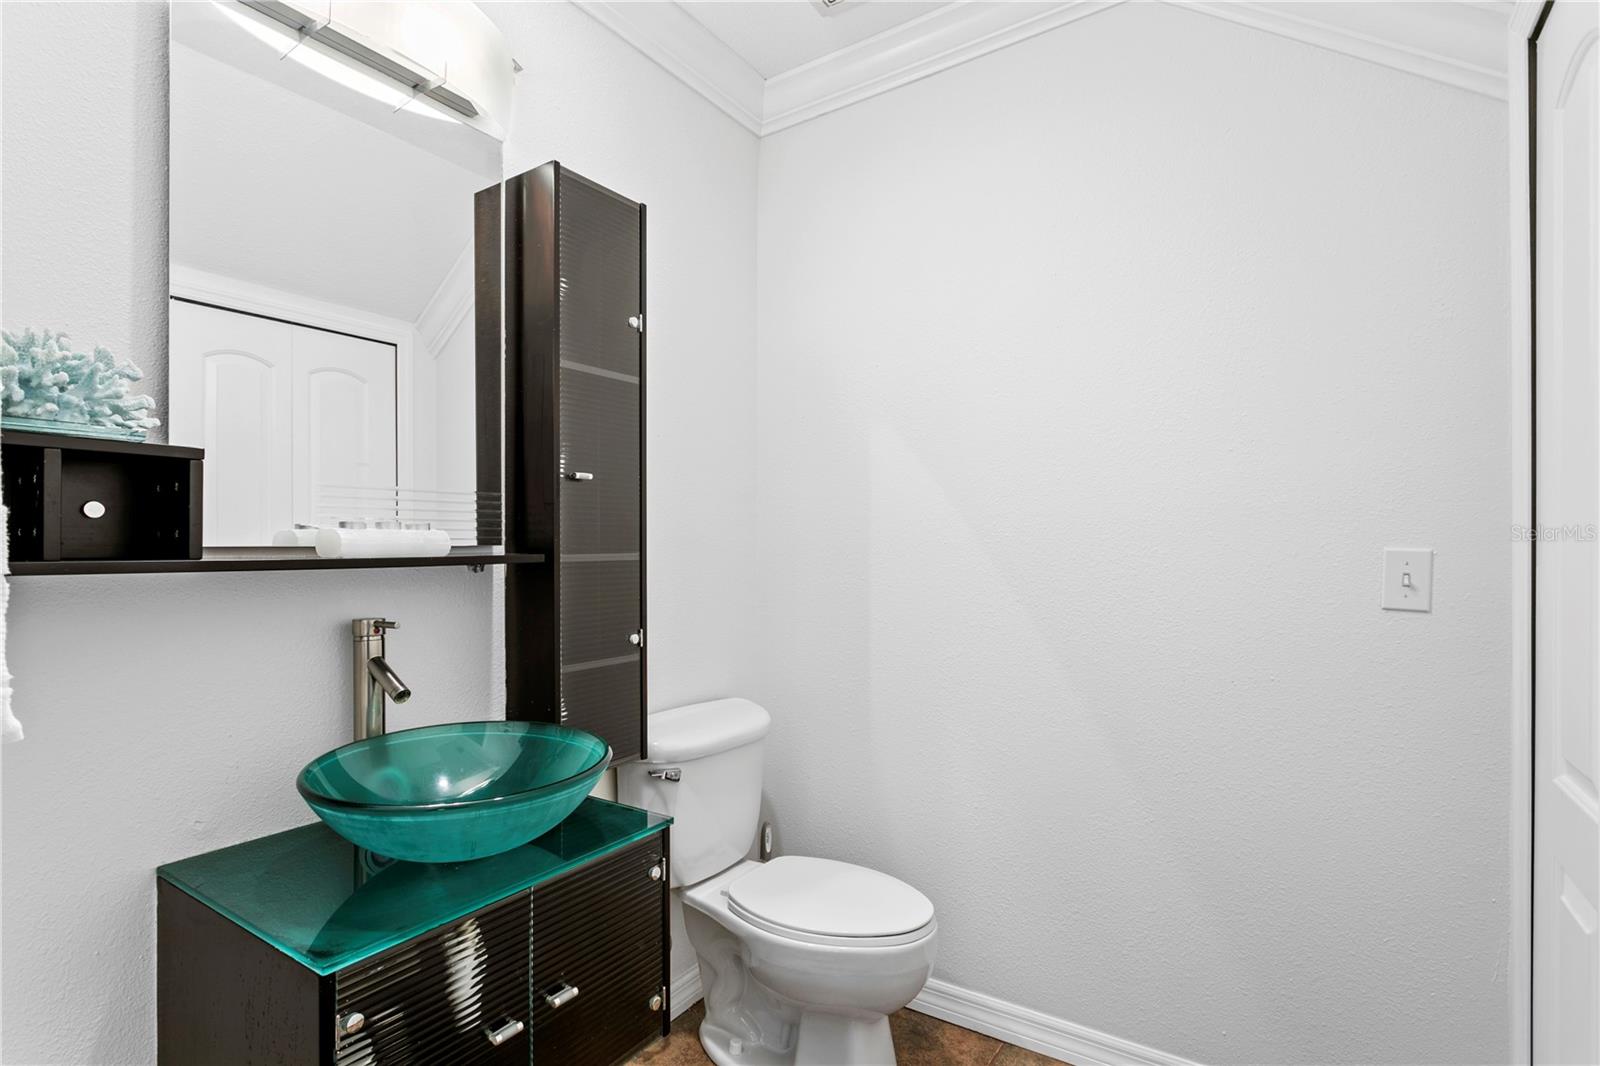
[216,560]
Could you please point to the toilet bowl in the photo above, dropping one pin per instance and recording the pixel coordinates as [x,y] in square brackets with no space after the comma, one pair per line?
[794,972]
[801,959]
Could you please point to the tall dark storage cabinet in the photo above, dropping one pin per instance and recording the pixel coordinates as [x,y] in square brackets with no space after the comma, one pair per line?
[575,324]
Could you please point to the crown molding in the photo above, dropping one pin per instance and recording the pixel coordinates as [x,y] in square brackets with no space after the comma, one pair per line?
[449,305]
[939,40]
[674,39]
[1460,43]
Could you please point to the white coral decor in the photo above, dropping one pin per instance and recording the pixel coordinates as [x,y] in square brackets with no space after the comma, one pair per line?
[41,377]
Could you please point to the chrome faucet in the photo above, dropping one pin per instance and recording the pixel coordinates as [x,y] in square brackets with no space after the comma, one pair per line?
[375,680]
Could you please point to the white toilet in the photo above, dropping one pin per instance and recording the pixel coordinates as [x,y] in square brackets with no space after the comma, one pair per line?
[802,960]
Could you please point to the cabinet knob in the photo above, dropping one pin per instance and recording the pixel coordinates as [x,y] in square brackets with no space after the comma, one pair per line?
[655,872]
[94,509]
[505,1032]
[353,1022]
[561,996]
[656,1001]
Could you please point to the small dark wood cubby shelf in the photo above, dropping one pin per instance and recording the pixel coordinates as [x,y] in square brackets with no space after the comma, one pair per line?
[76,499]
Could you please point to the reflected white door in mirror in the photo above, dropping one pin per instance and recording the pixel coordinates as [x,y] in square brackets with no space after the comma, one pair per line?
[280,408]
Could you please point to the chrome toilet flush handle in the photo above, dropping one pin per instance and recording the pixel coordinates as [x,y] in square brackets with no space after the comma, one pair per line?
[669,774]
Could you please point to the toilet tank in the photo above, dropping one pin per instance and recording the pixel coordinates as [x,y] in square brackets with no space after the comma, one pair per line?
[716,748]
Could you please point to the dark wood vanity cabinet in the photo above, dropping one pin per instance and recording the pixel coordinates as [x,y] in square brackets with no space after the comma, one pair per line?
[453,995]
[575,344]
[569,971]
[598,930]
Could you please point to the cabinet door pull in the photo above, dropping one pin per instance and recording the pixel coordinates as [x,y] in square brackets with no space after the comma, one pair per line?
[505,1032]
[561,996]
[580,475]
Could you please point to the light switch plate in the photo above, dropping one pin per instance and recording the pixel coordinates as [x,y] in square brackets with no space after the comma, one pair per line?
[1408,579]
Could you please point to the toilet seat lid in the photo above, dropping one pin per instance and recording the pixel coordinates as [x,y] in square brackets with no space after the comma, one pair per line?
[825,898]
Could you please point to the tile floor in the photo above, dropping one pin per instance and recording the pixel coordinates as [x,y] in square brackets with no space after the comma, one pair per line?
[918,1041]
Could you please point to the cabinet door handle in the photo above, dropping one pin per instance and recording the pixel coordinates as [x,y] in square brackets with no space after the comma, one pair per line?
[579,475]
[505,1032]
[561,996]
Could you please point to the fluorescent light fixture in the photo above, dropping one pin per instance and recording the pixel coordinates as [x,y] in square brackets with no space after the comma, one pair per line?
[414,77]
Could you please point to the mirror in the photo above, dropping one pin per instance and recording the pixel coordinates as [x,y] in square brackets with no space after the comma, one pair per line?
[334,336]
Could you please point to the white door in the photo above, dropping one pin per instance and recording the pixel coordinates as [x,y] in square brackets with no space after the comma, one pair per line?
[1566,880]
[229,392]
[344,417]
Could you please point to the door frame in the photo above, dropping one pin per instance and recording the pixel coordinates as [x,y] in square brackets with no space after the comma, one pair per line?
[1527,18]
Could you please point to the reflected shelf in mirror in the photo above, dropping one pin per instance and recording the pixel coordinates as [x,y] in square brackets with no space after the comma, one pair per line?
[221,560]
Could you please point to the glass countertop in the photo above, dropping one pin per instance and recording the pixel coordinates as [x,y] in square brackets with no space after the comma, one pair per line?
[328,904]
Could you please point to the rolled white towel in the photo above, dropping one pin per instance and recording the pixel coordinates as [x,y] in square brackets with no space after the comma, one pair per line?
[298,537]
[381,543]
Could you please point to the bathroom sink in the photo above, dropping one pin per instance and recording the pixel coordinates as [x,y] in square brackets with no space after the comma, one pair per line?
[449,793]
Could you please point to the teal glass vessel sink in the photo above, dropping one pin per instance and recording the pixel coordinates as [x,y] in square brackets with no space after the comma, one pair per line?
[449,793]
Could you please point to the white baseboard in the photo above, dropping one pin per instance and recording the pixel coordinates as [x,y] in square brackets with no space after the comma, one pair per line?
[1035,1030]
[1022,1026]
[685,991]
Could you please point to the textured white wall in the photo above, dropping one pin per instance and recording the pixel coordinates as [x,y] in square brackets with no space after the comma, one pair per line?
[84,211]
[168,715]
[1094,376]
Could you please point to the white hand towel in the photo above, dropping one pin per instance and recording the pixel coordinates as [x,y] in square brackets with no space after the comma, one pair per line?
[10,728]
